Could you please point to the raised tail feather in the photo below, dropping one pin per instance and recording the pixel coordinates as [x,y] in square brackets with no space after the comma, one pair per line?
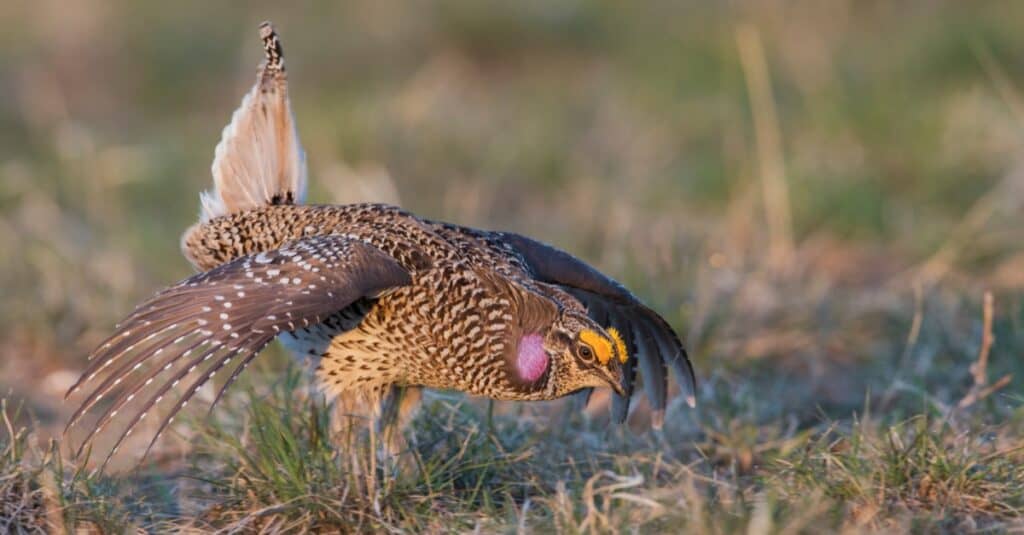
[259,160]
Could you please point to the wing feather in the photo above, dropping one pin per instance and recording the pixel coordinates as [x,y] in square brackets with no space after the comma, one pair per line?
[229,313]
[652,366]
[653,343]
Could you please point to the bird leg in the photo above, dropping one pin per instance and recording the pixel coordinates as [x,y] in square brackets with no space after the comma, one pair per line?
[398,408]
[379,416]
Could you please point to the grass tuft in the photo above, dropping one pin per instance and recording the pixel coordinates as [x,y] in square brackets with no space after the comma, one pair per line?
[22,506]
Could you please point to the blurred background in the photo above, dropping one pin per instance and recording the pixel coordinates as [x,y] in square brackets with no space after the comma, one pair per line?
[816,194]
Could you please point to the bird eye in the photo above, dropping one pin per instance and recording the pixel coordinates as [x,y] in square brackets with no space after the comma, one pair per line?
[586,353]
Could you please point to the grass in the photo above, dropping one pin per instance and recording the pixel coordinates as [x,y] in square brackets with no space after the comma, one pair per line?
[855,377]
[269,461]
[276,469]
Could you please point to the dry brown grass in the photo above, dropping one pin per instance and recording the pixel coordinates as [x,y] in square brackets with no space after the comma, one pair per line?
[872,151]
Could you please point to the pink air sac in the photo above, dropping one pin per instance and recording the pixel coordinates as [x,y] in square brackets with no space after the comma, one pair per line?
[532,360]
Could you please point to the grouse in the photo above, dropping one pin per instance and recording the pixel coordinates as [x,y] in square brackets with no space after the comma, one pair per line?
[385,300]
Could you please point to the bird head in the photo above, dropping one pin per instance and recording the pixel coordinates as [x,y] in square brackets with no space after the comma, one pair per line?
[574,353]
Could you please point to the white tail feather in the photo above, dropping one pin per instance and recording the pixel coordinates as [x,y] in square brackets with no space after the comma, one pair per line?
[259,160]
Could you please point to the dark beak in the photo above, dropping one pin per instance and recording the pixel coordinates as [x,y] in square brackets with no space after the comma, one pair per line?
[614,378]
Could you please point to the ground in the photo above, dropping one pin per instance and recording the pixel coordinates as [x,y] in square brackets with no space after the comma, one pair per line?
[826,199]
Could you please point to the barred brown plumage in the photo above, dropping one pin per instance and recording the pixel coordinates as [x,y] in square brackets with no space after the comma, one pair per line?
[383,298]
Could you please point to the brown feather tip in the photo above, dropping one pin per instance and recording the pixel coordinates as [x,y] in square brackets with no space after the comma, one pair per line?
[271,47]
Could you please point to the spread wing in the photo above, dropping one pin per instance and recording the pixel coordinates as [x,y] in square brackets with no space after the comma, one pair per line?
[654,345]
[199,326]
